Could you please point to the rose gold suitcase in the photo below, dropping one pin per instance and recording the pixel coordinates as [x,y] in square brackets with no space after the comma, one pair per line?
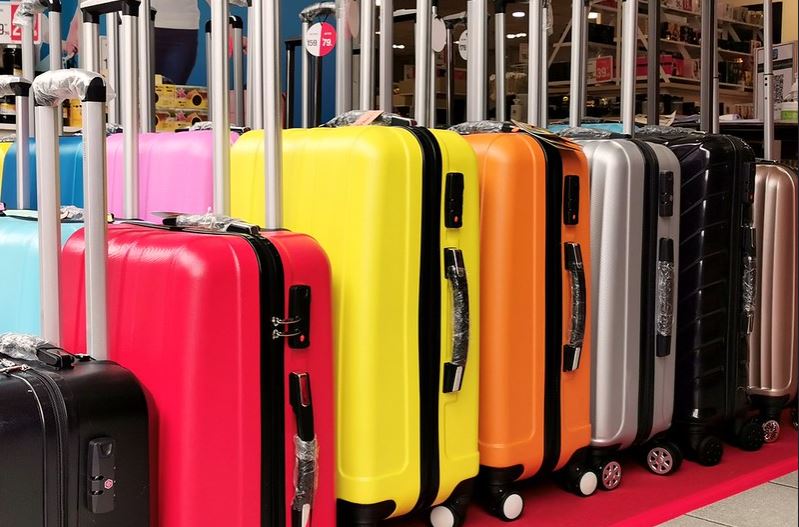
[773,342]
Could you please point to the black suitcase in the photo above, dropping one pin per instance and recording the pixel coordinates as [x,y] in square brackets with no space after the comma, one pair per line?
[717,266]
[74,431]
[73,440]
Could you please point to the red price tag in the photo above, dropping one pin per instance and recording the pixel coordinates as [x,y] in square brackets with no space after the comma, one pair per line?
[320,39]
[604,69]
[16,31]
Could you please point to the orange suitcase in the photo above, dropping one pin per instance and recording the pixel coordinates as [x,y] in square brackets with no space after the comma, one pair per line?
[535,374]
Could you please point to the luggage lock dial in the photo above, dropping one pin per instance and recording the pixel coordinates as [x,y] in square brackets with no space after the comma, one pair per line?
[297,327]
[102,475]
[453,201]
[666,194]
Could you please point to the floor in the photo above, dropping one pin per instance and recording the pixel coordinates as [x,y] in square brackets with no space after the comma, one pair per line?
[772,504]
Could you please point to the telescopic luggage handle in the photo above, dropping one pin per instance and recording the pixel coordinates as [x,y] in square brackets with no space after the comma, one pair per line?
[24,18]
[50,90]
[310,96]
[236,28]
[768,81]
[273,140]
[20,89]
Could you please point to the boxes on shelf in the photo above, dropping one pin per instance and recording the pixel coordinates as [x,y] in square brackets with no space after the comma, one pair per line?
[171,120]
[165,96]
[785,73]
[601,33]
[191,97]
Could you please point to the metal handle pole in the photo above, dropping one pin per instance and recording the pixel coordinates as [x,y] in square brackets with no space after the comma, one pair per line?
[768,80]
[23,151]
[387,55]
[367,61]
[477,71]
[248,81]
[95,227]
[343,59]
[431,123]
[653,69]
[91,43]
[273,162]
[255,49]
[499,49]
[578,59]
[450,76]
[543,108]
[628,64]
[220,79]
[112,29]
[130,113]
[533,84]
[305,78]
[209,67]
[29,60]
[56,47]
[316,92]
[716,98]
[422,69]
[238,69]
[707,65]
[291,69]
[146,68]
[49,193]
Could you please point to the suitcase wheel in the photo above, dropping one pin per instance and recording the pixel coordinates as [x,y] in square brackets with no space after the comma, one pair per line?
[750,436]
[663,458]
[580,480]
[445,516]
[709,451]
[610,474]
[771,430]
[507,506]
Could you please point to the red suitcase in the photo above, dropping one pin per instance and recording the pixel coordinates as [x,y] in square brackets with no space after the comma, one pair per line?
[228,329]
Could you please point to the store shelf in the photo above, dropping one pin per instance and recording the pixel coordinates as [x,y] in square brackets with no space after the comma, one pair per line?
[596,45]
[739,23]
[732,53]
[680,43]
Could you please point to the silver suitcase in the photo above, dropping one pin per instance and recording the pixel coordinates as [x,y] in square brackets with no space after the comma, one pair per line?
[774,340]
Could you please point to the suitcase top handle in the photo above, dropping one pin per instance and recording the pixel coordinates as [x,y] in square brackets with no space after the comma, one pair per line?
[316,10]
[20,88]
[16,86]
[54,87]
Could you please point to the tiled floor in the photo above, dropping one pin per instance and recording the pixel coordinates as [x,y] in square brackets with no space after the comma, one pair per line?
[772,504]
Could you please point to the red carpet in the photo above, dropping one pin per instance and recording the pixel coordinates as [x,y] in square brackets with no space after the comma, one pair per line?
[644,499]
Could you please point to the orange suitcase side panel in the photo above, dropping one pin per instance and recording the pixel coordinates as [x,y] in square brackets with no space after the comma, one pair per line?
[513,305]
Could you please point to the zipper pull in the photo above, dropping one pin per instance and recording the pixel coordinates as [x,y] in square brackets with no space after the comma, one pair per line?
[7,367]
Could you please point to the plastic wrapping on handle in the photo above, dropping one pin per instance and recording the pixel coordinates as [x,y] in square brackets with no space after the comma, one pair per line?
[580,132]
[748,291]
[8,83]
[482,127]
[209,221]
[666,131]
[573,348]
[318,9]
[306,477]
[201,125]
[665,298]
[376,118]
[455,272]
[21,347]
[27,9]
[54,87]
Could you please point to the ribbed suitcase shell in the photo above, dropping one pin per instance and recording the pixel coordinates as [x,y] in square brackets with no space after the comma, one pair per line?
[621,274]
[4,148]
[514,310]
[187,317]
[175,173]
[20,311]
[718,174]
[358,191]
[70,149]
[774,341]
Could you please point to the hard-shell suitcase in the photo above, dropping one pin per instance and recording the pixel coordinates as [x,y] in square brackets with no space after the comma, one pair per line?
[774,340]
[228,329]
[535,367]
[4,148]
[396,209]
[75,429]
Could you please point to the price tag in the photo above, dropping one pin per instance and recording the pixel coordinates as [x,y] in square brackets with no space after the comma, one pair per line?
[439,35]
[463,45]
[353,16]
[320,39]
[11,34]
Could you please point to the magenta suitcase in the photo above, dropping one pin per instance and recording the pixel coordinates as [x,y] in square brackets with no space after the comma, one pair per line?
[175,173]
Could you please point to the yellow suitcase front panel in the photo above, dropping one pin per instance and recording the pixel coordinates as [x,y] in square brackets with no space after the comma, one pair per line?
[4,148]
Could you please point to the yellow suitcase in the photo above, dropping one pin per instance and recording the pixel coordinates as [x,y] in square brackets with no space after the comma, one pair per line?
[397,210]
[4,148]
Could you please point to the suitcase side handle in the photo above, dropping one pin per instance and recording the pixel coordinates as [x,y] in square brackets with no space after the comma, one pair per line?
[749,280]
[665,297]
[573,348]
[455,271]
[306,450]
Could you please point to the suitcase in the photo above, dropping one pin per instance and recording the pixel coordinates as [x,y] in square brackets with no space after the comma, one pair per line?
[715,313]
[535,399]
[773,342]
[396,209]
[233,345]
[75,429]
[4,148]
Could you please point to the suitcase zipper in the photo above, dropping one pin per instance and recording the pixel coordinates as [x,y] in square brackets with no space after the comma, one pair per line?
[649,244]
[429,317]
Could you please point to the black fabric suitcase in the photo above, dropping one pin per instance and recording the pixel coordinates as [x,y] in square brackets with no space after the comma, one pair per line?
[73,439]
[716,300]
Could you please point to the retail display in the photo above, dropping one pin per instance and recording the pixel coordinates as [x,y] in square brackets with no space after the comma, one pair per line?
[393,320]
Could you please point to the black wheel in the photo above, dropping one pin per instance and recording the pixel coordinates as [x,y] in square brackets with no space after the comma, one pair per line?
[507,506]
[771,430]
[750,436]
[609,474]
[709,451]
[445,516]
[663,458]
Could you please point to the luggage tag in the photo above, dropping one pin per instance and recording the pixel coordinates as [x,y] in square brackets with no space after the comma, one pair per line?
[546,136]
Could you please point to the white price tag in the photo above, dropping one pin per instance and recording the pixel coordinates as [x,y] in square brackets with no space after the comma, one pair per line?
[439,35]
[463,45]
[11,34]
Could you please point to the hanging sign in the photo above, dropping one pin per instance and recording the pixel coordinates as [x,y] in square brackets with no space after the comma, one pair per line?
[463,44]
[11,34]
[439,35]
[353,16]
[320,39]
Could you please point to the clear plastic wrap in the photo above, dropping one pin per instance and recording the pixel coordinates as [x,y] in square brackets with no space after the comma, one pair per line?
[239,3]
[306,474]
[6,83]
[209,221]
[460,314]
[666,131]
[316,10]
[19,346]
[749,287]
[11,138]
[201,125]
[580,132]
[54,87]
[112,128]
[383,119]
[71,213]
[577,327]
[26,10]
[665,298]
[481,127]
